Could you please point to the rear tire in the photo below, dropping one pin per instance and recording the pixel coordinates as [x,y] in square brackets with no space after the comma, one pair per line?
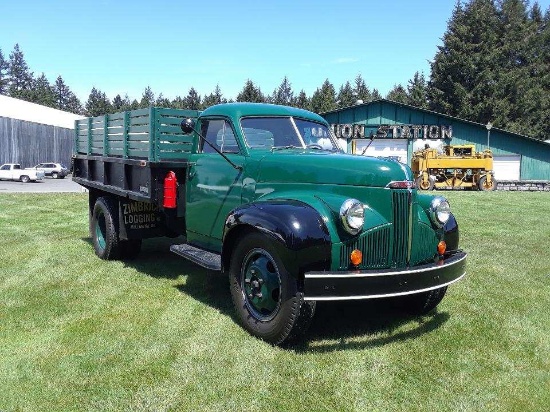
[266,296]
[25,179]
[104,228]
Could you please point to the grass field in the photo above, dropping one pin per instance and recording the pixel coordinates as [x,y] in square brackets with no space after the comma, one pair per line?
[158,333]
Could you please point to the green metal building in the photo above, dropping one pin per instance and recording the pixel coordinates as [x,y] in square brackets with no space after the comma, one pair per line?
[390,129]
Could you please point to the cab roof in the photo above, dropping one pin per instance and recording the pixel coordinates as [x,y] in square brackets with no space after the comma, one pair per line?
[259,109]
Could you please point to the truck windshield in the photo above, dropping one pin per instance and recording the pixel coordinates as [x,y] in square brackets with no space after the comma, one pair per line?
[286,132]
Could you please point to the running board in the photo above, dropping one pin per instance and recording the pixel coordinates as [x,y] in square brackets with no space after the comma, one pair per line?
[201,257]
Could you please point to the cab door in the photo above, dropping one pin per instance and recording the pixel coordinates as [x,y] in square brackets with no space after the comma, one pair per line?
[214,185]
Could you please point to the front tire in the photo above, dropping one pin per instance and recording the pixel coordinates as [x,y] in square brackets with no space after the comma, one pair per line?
[55,175]
[103,228]
[266,296]
[424,185]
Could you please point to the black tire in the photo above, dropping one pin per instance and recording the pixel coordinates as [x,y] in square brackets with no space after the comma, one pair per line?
[266,296]
[483,185]
[55,175]
[421,185]
[25,179]
[104,228]
[129,249]
[422,303]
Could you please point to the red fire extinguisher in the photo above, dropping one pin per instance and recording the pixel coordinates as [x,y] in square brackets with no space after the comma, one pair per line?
[170,190]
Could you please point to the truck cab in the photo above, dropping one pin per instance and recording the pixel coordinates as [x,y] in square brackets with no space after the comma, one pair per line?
[265,195]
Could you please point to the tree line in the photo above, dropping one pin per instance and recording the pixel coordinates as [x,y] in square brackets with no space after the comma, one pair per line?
[493,66]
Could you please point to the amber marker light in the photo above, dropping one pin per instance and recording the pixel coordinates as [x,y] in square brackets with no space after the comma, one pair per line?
[356,256]
[441,247]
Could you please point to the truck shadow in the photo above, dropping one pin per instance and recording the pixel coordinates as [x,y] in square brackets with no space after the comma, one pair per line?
[364,324]
[336,325]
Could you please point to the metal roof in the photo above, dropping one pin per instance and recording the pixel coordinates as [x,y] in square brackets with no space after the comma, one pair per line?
[31,112]
[433,113]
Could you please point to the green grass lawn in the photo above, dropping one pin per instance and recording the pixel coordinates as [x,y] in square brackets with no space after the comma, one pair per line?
[158,333]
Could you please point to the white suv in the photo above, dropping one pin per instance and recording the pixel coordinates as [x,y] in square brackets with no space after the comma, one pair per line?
[55,170]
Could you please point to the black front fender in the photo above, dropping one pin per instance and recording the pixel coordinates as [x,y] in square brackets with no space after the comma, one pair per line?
[296,229]
[450,233]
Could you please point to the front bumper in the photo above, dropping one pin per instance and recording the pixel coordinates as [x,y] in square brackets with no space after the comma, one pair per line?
[371,284]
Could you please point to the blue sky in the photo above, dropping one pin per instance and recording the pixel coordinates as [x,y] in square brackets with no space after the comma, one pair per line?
[123,46]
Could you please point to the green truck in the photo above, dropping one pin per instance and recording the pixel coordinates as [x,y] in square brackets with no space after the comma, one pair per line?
[264,194]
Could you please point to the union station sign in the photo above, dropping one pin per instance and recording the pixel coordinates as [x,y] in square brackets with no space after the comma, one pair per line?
[394,131]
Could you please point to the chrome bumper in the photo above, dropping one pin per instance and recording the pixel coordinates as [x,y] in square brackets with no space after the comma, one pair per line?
[373,284]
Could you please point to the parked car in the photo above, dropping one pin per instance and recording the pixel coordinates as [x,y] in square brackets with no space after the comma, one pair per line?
[55,170]
[14,171]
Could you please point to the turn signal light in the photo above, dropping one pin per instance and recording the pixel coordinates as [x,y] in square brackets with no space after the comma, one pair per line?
[356,256]
[441,247]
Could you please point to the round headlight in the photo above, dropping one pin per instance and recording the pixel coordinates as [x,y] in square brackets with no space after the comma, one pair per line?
[352,215]
[440,211]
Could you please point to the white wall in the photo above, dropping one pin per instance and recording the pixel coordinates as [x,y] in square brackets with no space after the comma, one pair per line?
[32,112]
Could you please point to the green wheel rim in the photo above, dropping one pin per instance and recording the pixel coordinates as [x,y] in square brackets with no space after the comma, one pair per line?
[100,230]
[261,284]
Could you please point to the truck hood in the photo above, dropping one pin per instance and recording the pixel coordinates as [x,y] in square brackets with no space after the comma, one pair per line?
[331,168]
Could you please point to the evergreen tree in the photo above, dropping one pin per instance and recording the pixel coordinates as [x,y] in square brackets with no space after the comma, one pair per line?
[4,80]
[62,94]
[417,91]
[376,94]
[283,95]
[97,104]
[523,86]
[193,100]
[251,93]
[162,101]
[147,98]
[302,101]
[398,94]
[324,99]
[118,103]
[214,98]
[178,103]
[42,92]
[20,77]
[73,105]
[463,76]
[491,66]
[361,90]
[346,96]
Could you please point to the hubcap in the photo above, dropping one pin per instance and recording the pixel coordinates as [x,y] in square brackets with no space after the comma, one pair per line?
[100,231]
[261,284]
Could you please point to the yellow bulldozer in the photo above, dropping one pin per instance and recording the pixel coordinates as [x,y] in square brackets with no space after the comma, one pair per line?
[456,167]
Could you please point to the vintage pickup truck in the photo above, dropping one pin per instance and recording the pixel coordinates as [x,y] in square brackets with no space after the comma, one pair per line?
[264,194]
[14,171]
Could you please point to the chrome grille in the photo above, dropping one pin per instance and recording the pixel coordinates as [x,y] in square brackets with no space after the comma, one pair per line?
[425,244]
[374,244]
[401,243]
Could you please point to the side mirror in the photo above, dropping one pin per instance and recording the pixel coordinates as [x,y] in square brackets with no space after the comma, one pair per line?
[187,125]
